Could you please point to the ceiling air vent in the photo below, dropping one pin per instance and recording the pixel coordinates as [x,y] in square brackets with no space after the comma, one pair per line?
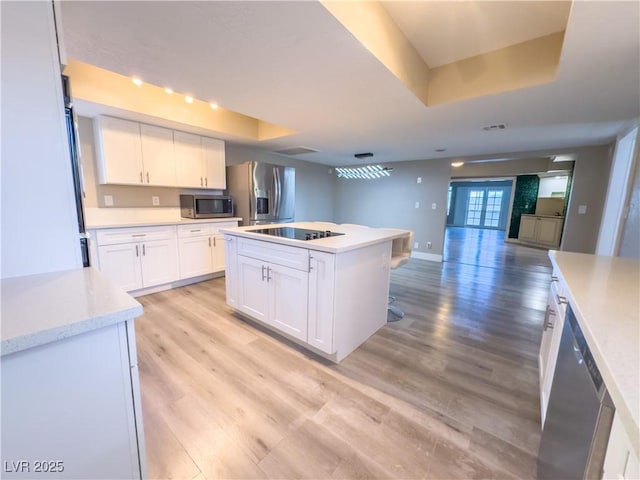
[296,151]
[497,126]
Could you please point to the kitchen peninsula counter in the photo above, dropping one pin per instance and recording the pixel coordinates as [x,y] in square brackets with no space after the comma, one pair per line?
[603,294]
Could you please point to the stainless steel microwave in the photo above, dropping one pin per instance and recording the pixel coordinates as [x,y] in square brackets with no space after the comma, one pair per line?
[205,206]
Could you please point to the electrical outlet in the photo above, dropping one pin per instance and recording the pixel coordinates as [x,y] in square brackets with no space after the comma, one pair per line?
[419,179]
[108,200]
[429,245]
[417,205]
[434,206]
[416,245]
[155,201]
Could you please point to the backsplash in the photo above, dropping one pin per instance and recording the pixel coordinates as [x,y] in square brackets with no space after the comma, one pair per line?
[550,206]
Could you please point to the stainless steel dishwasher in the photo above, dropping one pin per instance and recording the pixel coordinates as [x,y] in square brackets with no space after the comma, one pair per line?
[580,412]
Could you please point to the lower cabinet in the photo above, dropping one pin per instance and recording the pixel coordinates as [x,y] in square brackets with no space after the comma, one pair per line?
[73,407]
[620,461]
[142,257]
[550,344]
[320,326]
[231,270]
[200,252]
[274,294]
[142,264]
[545,231]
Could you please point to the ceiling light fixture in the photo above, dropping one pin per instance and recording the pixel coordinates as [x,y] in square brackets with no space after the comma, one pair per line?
[457,164]
[367,172]
[137,81]
[188,98]
[213,105]
[168,90]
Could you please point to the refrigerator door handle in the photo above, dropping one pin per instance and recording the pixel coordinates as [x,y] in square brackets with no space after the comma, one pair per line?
[278,191]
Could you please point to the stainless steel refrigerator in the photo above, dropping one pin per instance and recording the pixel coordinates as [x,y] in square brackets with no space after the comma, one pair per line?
[262,193]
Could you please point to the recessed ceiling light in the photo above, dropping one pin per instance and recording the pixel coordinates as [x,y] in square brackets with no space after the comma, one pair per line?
[213,105]
[440,150]
[188,98]
[137,81]
[457,164]
[168,90]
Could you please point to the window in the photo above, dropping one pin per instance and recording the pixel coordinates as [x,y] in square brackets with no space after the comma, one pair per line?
[474,207]
[494,205]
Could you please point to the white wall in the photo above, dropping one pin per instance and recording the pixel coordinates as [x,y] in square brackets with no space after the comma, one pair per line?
[612,217]
[39,225]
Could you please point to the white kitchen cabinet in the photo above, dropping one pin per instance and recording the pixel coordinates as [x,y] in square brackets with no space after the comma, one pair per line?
[253,295]
[200,161]
[620,461]
[213,158]
[136,258]
[541,230]
[189,163]
[158,157]
[75,401]
[231,270]
[218,253]
[550,344]
[201,249]
[118,151]
[274,294]
[321,300]
[121,263]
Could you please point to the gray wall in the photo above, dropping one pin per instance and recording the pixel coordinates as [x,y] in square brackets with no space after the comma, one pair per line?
[389,201]
[590,181]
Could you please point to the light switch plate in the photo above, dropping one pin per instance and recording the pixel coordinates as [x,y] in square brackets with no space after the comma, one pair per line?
[108,200]
[415,245]
[582,209]
[417,205]
[155,201]
[419,179]
[434,205]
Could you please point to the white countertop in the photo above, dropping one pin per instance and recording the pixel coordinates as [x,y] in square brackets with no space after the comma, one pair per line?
[181,221]
[354,236]
[604,293]
[39,309]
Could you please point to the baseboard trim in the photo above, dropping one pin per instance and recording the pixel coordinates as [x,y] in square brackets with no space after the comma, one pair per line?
[176,284]
[432,257]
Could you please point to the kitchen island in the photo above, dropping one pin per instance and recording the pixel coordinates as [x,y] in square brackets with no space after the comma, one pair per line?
[328,294]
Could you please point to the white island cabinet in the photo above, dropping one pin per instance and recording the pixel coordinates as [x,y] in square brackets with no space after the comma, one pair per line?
[328,294]
[71,405]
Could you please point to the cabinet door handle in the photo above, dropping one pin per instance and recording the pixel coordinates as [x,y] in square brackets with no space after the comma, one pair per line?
[209,242]
[137,253]
[193,231]
[201,184]
[206,182]
[269,274]
[310,258]
[214,241]
[144,250]
[139,235]
[547,325]
[263,273]
[147,177]
[554,278]
[141,181]
[561,299]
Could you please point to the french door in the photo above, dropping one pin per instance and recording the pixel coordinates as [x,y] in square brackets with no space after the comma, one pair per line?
[484,208]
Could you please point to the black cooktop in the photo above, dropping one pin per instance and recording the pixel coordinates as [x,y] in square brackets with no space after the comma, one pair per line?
[296,233]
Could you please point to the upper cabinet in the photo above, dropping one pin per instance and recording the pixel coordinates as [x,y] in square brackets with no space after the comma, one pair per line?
[131,153]
[200,161]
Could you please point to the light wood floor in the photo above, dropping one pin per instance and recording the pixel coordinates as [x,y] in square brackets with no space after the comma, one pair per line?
[450,391]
